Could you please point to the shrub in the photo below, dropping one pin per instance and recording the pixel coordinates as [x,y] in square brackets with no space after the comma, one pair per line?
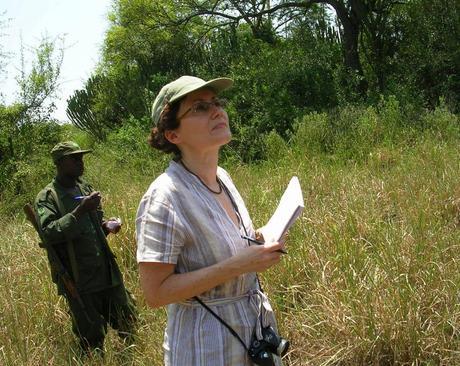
[352,132]
[275,148]
[130,141]
[441,122]
[28,167]
[312,133]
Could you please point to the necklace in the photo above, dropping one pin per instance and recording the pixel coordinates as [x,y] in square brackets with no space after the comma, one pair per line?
[201,181]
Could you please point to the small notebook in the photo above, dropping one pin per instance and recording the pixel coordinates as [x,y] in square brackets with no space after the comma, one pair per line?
[288,210]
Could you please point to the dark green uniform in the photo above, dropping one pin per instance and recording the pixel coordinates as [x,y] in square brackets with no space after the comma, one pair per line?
[83,249]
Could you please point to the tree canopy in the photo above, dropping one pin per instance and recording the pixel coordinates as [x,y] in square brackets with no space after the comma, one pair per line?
[287,57]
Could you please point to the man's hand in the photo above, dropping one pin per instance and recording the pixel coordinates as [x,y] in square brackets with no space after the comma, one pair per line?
[112,225]
[87,204]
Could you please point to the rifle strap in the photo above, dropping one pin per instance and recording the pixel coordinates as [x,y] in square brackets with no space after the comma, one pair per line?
[70,246]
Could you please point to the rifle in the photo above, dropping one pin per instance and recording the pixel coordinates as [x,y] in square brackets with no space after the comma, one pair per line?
[55,262]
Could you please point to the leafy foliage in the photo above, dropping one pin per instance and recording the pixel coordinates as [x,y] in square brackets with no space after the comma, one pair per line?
[26,129]
[287,60]
[428,57]
[85,111]
[353,132]
[37,86]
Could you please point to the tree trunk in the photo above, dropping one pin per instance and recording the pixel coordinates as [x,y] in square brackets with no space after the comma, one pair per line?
[351,27]
[11,146]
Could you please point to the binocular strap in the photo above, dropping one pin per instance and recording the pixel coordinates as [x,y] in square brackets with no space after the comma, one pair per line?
[231,330]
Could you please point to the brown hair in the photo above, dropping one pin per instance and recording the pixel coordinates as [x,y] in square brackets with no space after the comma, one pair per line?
[168,121]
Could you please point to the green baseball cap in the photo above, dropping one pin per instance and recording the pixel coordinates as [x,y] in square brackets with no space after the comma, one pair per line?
[179,88]
[66,148]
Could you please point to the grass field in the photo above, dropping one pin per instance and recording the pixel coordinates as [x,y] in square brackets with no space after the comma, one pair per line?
[371,277]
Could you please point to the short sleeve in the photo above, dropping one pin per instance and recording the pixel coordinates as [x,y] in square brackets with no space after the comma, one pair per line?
[160,234]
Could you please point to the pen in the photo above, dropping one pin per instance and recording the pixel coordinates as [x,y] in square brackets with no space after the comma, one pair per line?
[260,243]
[79,197]
[252,240]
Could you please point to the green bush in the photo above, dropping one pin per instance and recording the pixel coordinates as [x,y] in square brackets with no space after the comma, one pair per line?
[442,123]
[29,177]
[130,141]
[27,166]
[126,155]
[275,147]
[312,133]
[358,130]
[353,132]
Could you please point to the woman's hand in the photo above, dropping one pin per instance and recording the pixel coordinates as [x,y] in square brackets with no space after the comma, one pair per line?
[163,286]
[257,258]
[260,237]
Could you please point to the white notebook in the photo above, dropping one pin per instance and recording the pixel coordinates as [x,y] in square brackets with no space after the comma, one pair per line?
[288,210]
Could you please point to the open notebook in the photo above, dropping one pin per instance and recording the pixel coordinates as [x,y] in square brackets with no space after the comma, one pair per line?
[288,210]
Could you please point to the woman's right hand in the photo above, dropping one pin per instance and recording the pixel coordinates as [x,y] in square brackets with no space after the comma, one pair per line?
[163,286]
[258,258]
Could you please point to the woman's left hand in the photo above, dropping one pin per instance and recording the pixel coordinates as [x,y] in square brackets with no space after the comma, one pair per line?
[260,237]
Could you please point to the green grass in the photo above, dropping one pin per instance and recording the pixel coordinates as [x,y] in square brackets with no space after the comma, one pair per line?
[371,277]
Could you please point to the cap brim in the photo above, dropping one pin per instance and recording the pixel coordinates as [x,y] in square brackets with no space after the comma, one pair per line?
[218,85]
[79,152]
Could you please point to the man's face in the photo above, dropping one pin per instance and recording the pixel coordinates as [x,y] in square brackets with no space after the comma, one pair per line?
[71,165]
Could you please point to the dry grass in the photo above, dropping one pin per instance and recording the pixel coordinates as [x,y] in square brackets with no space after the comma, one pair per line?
[371,277]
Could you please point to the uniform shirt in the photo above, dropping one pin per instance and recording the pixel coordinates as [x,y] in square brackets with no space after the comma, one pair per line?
[180,222]
[96,267]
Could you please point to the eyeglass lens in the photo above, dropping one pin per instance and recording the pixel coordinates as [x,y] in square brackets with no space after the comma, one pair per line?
[202,106]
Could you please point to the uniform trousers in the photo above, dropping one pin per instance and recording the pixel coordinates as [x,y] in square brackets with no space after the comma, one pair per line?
[113,306]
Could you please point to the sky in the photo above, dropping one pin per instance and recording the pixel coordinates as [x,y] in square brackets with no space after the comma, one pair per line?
[83,24]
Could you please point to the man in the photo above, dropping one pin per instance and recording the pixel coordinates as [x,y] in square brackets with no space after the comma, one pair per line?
[71,221]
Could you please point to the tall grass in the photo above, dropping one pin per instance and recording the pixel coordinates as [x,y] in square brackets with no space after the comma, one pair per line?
[371,277]
[372,271]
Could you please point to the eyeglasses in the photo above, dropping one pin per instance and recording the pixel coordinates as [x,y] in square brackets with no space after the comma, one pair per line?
[202,107]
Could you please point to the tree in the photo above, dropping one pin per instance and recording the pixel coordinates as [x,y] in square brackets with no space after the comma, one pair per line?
[274,84]
[428,54]
[103,104]
[80,109]
[354,17]
[379,43]
[38,86]
[139,56]
[24,124]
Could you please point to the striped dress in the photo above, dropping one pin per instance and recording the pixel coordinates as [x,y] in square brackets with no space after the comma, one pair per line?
[180,222]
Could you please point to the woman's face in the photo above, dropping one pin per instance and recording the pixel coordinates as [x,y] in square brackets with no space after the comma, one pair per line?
[203,123]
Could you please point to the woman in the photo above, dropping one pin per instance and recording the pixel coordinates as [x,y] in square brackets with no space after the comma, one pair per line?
[189,229]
